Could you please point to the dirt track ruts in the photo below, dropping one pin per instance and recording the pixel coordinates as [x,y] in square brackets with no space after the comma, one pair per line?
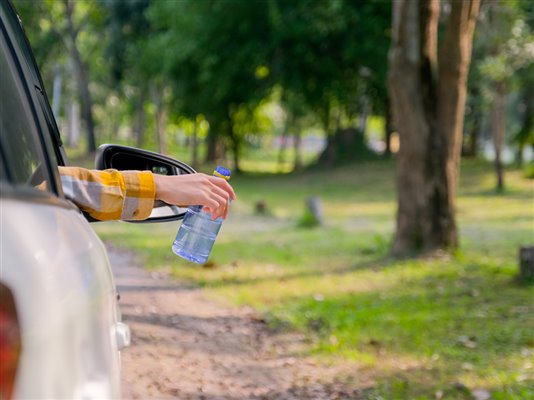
[187,347]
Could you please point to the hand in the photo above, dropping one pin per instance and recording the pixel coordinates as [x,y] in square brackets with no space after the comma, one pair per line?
[210,192]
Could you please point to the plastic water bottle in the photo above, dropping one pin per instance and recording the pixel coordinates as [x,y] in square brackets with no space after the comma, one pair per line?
[198,231]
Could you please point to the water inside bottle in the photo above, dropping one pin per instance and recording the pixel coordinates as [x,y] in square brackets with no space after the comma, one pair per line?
[196,236]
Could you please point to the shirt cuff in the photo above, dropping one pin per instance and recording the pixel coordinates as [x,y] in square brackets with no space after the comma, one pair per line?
[140,191]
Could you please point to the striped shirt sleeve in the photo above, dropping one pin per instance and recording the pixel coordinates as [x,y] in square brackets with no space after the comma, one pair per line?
[110,194]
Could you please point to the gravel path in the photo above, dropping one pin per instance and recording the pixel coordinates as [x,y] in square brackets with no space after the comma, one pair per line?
[186,347]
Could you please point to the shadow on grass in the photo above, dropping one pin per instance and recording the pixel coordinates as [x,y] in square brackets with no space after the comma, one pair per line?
[375,264]
[478,324]
[428,384]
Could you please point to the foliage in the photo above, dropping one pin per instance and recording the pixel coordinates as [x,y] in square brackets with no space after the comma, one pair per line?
[513,40]
[217,57]
[529,171]
[223,59]
[329,52]
[127,26]
[308,220]
[228,56]
[504,52]
[66,35]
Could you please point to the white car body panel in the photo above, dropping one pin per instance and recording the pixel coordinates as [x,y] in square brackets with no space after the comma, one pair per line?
[59,274]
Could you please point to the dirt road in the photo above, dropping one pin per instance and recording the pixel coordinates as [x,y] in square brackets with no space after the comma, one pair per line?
[186,347]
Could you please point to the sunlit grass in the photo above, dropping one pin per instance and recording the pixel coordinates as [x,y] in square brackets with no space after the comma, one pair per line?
[445,325]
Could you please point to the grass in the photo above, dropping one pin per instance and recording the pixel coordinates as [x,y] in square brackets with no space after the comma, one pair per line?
[422,329]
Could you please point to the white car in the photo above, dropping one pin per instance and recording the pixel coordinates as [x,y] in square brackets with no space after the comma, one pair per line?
[60,325]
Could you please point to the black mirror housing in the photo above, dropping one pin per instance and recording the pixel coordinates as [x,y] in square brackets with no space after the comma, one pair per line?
[125,158]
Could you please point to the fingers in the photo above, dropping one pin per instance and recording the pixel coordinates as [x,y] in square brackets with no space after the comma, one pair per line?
[217,205]
[220,191]
[217,193]
[223,184]
[222,198]
[196,189]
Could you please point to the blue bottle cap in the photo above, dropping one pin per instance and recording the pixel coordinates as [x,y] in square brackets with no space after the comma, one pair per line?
[222,172]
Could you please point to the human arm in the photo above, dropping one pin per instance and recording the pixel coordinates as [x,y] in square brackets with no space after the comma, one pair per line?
[211,192]
[130,195]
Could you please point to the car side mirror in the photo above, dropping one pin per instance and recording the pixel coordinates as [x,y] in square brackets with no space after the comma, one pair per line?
[125,158]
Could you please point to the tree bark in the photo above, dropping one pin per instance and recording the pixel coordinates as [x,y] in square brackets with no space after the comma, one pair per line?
[472,145]
[498,128]
[428,110]
[527,124]
[283,143]
[73,117]
[236,145]
[212,141]
[56,90]
[194,145]
[139,124]
[158,94]
[388,130]
[366,109]
[454,61]
[82,81]
[297,144]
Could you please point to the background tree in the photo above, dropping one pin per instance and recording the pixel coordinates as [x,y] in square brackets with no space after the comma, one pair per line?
[74,26]
[219,48]
[52,24]
[129,31]
[508,58]
[428,98]
[320,56]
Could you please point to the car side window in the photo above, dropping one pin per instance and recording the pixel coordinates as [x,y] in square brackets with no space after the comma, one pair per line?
[22,157]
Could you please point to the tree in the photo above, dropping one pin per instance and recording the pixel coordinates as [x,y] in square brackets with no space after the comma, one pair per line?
[52,24]
[230,55]
[525,134]
[332,55]
[508,41]
[428,98]
[128,51]
[219,47]
[81,73]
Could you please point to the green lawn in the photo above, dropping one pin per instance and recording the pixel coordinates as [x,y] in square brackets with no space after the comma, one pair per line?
[420,328]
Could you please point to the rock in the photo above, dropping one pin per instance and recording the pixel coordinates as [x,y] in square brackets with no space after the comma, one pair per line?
[481,394]
[260,208]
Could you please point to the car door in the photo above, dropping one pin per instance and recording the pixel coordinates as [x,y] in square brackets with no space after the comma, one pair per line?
[51,261]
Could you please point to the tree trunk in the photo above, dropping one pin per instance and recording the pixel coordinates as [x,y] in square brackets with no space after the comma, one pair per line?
[139,124]
[56,90]
[236,145]
[114,122]
[194,145]
[212,151]
[364,115]
[82,82]
[428,109]
[454,61]
[527,125]
[472,146]
[158,93]
[283,145]
[498,128]
[388,130]
[297,144]
[73,117]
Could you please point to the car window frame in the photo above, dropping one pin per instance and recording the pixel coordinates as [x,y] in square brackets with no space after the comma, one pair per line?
[15,40]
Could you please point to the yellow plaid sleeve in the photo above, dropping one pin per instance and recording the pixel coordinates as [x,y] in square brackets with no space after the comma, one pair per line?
[110,194]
